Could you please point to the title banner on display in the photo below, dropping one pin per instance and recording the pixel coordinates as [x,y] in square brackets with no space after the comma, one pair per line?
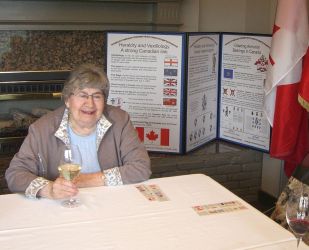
[183,90]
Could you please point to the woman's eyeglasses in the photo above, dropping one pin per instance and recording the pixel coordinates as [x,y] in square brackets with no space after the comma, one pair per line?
[82,96]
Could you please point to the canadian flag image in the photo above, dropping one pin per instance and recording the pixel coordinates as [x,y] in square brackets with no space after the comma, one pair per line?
[154,136]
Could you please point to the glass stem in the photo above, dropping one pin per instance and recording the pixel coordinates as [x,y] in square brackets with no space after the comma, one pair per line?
[298,241]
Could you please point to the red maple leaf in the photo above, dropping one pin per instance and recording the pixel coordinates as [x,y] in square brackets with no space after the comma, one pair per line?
[152,136]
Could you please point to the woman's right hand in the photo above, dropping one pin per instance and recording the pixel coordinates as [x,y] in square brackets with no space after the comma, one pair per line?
[59,189]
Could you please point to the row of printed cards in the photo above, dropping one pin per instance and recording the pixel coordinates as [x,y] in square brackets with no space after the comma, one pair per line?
[152,192]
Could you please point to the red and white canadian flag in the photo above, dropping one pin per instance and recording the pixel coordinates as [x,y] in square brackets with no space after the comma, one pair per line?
[154,136]
[288,118]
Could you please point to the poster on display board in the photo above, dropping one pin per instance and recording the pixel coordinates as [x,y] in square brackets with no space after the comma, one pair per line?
[202,88]
[146,73]
[183,90]
[244,60]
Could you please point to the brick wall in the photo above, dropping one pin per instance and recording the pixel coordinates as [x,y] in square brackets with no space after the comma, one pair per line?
[237,168]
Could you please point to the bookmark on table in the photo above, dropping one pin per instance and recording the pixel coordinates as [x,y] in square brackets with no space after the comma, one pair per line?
[218,208]
[160,196]
[152,192]
[146,192]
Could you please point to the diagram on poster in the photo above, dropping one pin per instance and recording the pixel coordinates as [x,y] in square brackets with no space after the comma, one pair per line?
[202,89]
[243,71]
[146,77]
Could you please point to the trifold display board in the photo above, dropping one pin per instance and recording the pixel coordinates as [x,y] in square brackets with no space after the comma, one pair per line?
[183,90]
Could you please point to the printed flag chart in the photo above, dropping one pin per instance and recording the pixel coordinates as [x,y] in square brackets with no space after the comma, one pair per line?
[146,73]
[183,90]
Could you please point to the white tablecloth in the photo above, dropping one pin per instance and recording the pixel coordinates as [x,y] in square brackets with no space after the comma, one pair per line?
[122,218]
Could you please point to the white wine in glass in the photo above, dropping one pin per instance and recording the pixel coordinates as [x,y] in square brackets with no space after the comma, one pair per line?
[69,171]
[297,214]
[70,166]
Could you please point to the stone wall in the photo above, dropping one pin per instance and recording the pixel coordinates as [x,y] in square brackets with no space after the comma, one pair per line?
[50,50]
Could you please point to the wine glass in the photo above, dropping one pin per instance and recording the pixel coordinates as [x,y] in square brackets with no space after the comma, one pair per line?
[69,168]
[297,214]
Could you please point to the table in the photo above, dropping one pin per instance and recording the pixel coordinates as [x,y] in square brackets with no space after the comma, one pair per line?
[122,218]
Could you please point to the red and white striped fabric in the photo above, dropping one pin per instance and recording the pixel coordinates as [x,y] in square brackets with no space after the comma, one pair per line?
[288,118]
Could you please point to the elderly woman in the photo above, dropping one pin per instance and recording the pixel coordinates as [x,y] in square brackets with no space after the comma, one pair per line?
[111,151]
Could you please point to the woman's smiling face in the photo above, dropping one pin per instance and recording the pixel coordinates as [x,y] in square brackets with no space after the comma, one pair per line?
[86,107]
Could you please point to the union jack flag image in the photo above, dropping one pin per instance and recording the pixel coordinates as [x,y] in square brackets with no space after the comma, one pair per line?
[169,82]
[169,92]
[170,72]
[170,62]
